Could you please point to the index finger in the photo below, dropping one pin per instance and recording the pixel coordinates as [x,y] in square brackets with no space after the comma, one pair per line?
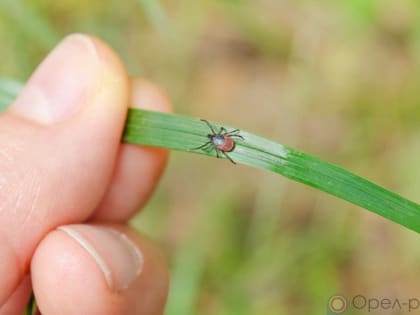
[138,168]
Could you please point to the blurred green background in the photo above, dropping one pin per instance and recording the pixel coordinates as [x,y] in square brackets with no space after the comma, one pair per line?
[337,79]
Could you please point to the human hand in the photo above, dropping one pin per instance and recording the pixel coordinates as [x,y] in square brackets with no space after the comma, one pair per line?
[68,187]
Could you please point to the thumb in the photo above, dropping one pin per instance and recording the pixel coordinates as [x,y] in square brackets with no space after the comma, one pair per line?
[58,143]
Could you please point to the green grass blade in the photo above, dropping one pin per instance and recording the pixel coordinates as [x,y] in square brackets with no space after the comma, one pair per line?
[155,14]
[30,21]
[187,272]
[184,133]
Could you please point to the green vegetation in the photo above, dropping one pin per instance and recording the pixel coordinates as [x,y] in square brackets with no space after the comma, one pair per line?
[337,79]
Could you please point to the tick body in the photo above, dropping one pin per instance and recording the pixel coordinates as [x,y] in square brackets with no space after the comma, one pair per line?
[222,141]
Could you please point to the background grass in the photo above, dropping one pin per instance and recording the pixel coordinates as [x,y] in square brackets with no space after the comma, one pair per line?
[338,79]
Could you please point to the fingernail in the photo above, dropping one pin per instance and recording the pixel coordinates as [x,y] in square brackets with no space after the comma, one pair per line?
[62,83]
[116,255]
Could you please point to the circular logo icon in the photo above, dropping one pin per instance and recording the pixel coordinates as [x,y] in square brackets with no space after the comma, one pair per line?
[337,304]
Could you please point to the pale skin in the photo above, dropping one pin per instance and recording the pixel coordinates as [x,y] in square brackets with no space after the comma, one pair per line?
[62,163]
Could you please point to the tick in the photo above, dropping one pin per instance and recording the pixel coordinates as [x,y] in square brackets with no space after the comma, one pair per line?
[222,141]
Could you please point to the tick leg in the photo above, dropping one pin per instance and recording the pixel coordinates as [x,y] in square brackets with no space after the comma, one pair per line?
[228,157]
[232,132]
[237,136]
[217,153]
[202,146]
[209,125]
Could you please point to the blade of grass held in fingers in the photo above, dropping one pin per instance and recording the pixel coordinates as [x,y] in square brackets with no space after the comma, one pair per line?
[184,133]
